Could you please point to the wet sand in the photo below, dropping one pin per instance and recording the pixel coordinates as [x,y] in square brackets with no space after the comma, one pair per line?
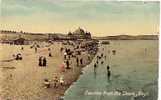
[23,80]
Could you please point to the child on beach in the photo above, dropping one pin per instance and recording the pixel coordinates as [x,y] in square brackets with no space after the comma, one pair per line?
[55,82]
[62,67]
[49,49]
[50,54]
[102,62]
[46,83]
[61,80]
[65,55]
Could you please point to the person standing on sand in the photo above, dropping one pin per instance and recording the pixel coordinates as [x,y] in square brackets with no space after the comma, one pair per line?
[50,54]
[44,61]
[21,48]
[89,58]
[69,57]
[102,62]
[49,49]
[81,61]
[114,52]
[40,61]
[65,55]
[67,64]
[105,57]
[77,60]
[101,55]
[61,49]
[97,61]
[97,57]
[35,49]
[55,82]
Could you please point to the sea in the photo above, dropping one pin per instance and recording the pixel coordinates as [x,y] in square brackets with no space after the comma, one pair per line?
[134,73]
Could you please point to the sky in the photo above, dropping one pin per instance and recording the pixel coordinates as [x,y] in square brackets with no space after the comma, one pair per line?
[101,18]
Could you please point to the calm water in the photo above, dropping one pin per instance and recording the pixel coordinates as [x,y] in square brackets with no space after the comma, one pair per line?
[134,70]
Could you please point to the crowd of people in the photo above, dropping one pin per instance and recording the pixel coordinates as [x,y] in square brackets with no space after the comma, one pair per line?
[73,57]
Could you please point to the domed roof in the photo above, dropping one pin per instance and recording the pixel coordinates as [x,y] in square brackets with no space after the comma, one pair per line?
[79,31]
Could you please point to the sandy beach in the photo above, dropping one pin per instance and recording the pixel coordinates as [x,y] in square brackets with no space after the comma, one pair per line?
[23,79]
[79,50]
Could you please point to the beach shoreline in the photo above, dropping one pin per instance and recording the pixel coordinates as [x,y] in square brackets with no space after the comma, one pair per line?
[18,78]
[76,77]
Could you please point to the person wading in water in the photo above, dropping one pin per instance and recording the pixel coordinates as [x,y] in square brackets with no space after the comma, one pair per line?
[95,73]
[95,66]
[108,72]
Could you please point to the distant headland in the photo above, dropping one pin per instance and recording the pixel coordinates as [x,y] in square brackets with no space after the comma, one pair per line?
[129,37]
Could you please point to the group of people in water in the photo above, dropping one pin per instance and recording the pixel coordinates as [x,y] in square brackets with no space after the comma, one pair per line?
[101,58]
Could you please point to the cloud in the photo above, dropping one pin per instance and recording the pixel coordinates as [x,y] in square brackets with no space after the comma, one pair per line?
[76,9]
[85,13]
